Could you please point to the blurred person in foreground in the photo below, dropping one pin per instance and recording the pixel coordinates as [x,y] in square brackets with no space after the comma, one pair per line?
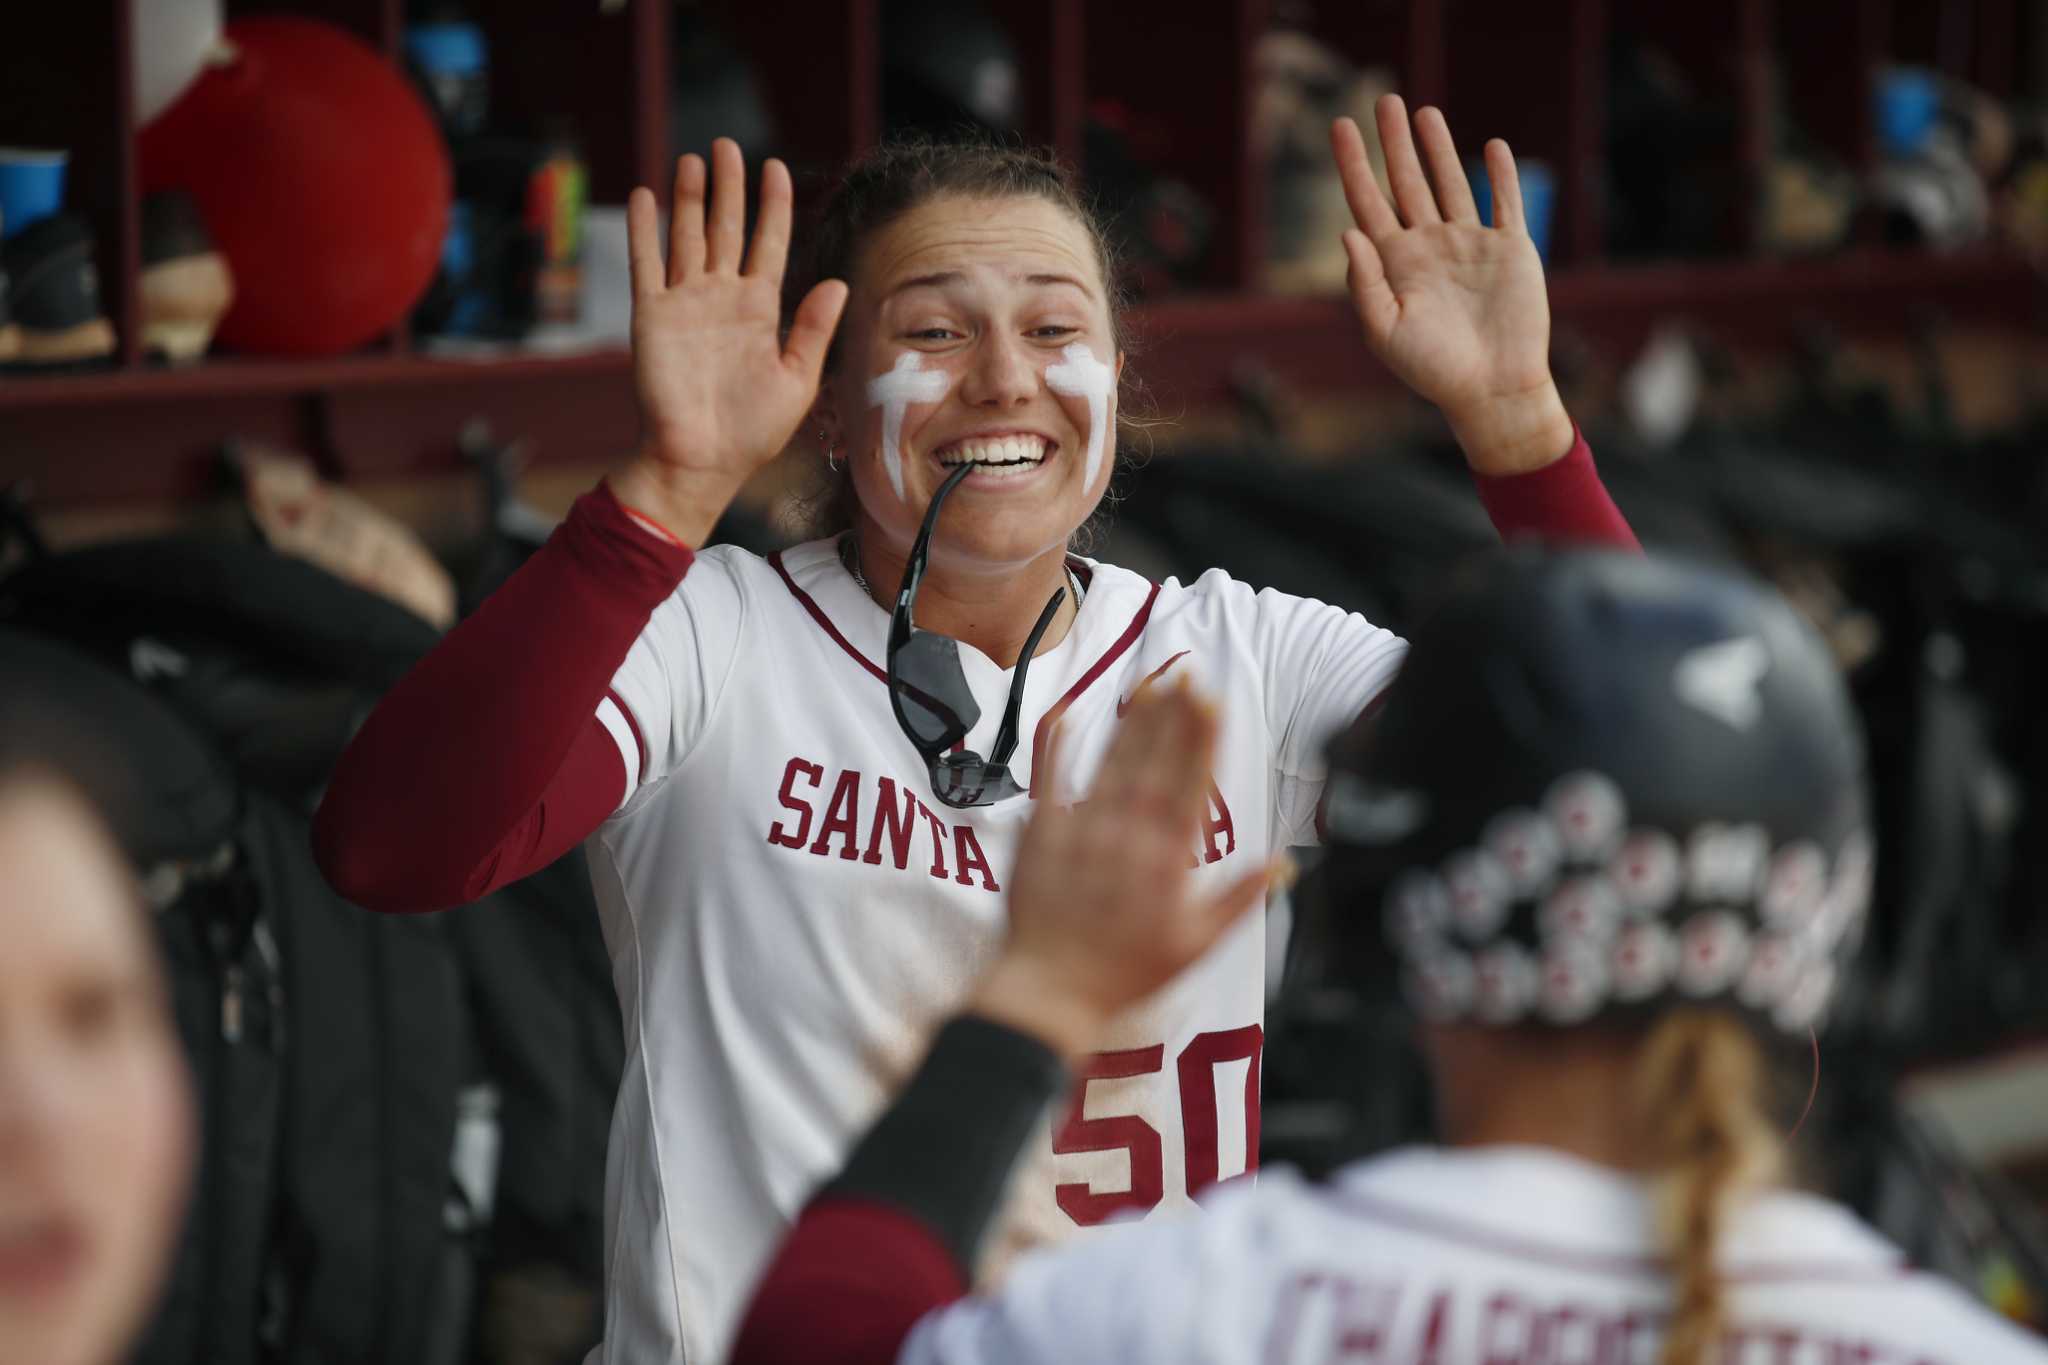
[96,1115]
[1610,830]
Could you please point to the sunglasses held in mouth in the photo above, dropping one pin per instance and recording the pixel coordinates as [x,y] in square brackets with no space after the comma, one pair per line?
[929,693]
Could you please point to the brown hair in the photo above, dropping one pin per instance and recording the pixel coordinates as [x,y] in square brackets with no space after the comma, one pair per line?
[1698,1093]
[907,172]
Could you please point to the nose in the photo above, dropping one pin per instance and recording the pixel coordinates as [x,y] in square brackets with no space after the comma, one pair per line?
[1002,374]
[34,1103]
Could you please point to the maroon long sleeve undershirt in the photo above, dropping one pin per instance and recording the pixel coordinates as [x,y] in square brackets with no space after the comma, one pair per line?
[487,762]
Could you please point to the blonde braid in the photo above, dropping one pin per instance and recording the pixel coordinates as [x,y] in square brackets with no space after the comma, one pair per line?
[1698,1086]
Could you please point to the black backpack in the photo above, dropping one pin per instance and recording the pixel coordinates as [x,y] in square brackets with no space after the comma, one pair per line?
[376,1255]
[320,1231]
[202,849]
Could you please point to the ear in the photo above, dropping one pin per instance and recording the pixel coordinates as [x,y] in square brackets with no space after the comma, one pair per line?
[824,417]
[1119,367]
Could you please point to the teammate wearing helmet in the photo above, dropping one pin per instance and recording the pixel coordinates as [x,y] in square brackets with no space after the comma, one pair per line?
[1610,827]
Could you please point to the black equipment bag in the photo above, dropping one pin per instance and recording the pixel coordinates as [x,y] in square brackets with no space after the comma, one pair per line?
[363,1018]
[178,812]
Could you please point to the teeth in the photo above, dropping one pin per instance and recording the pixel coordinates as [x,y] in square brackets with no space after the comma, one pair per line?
[1020,452]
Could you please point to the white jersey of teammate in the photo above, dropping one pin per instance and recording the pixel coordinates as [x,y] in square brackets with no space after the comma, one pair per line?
[1493,1256]
[791,913]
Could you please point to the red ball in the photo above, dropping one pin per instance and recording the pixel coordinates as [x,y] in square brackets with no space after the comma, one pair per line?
[322,178]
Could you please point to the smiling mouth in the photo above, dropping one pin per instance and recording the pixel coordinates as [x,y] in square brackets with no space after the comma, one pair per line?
[1016,453]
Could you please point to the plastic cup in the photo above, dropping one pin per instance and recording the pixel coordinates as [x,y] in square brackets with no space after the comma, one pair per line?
[31,186]
[1539,198]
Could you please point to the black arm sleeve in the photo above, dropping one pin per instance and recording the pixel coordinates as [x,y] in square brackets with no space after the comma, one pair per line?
[943,1152]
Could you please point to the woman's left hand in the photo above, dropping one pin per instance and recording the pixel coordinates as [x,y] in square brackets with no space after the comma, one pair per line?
[1458,310]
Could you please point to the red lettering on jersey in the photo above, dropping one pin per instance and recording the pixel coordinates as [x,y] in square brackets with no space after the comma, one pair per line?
[791,802]
[1648,1321]
[1567,1332]
[1504,1332]
[1785,1341]
[899,820]
[842,817]
[1289,1312]
[967,852]
[1365,1320]
[1218,828]
[1433,1330]
[938,840]
[1197,1065]
[1122,1132]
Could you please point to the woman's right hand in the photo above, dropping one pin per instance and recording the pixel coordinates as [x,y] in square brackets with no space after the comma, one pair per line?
[721,391]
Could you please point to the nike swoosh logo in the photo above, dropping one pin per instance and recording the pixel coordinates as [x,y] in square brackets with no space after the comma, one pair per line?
[1124,703]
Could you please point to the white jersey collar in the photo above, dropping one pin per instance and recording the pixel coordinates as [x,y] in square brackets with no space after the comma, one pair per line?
[816,576]
[1540,1203]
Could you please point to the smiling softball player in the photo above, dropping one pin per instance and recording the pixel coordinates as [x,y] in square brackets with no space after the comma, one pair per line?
[802,779]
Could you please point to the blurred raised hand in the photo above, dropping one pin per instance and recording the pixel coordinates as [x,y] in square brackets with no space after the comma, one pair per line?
[1103,902]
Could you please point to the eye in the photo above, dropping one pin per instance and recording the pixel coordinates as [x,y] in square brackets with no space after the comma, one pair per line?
[90,1011]
[1054,331]
[932,334]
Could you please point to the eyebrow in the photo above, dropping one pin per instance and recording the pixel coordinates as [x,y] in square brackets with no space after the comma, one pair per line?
[940,279]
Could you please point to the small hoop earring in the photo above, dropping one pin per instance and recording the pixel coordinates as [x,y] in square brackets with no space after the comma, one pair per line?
[834,461]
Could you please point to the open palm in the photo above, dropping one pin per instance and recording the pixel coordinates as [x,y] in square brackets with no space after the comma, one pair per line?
[721,390]
[1455,308]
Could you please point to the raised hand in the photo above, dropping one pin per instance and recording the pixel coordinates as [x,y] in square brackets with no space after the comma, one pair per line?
[1458,310]
[1102,903]
[721,391]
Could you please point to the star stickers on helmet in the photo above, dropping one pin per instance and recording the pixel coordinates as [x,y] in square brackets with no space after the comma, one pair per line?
[1588,814]
[1480,892]
[1647,872]
[1795,886]
[1644,957]
[1525,845]
[1726,862]
[1574,982]
[1505,982]
[1584,907]
[1418,911]
[1713,949]
[1621,916]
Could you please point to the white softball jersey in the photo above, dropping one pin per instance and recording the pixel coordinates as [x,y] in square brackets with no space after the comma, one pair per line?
[1486,1256]
[791,914]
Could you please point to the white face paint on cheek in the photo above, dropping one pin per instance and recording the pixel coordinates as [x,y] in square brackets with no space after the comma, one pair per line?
[893,393]
[1080,375]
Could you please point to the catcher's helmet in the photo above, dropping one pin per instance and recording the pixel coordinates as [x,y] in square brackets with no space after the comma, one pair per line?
[1602,784]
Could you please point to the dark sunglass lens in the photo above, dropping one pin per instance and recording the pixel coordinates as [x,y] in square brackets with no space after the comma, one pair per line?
[931,690]
[964,780]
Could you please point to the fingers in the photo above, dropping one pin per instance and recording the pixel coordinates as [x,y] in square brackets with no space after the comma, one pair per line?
[1129,773]
[643,244]
[726,228]
[1366,278]
[810,331]
[1453,190]
[770,253]
[1404,171]
[1507,187]
[686,221]
[1369,208]
[1191,762]
[1230,904]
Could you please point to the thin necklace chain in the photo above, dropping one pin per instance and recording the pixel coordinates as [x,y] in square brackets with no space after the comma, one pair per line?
[850,557]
